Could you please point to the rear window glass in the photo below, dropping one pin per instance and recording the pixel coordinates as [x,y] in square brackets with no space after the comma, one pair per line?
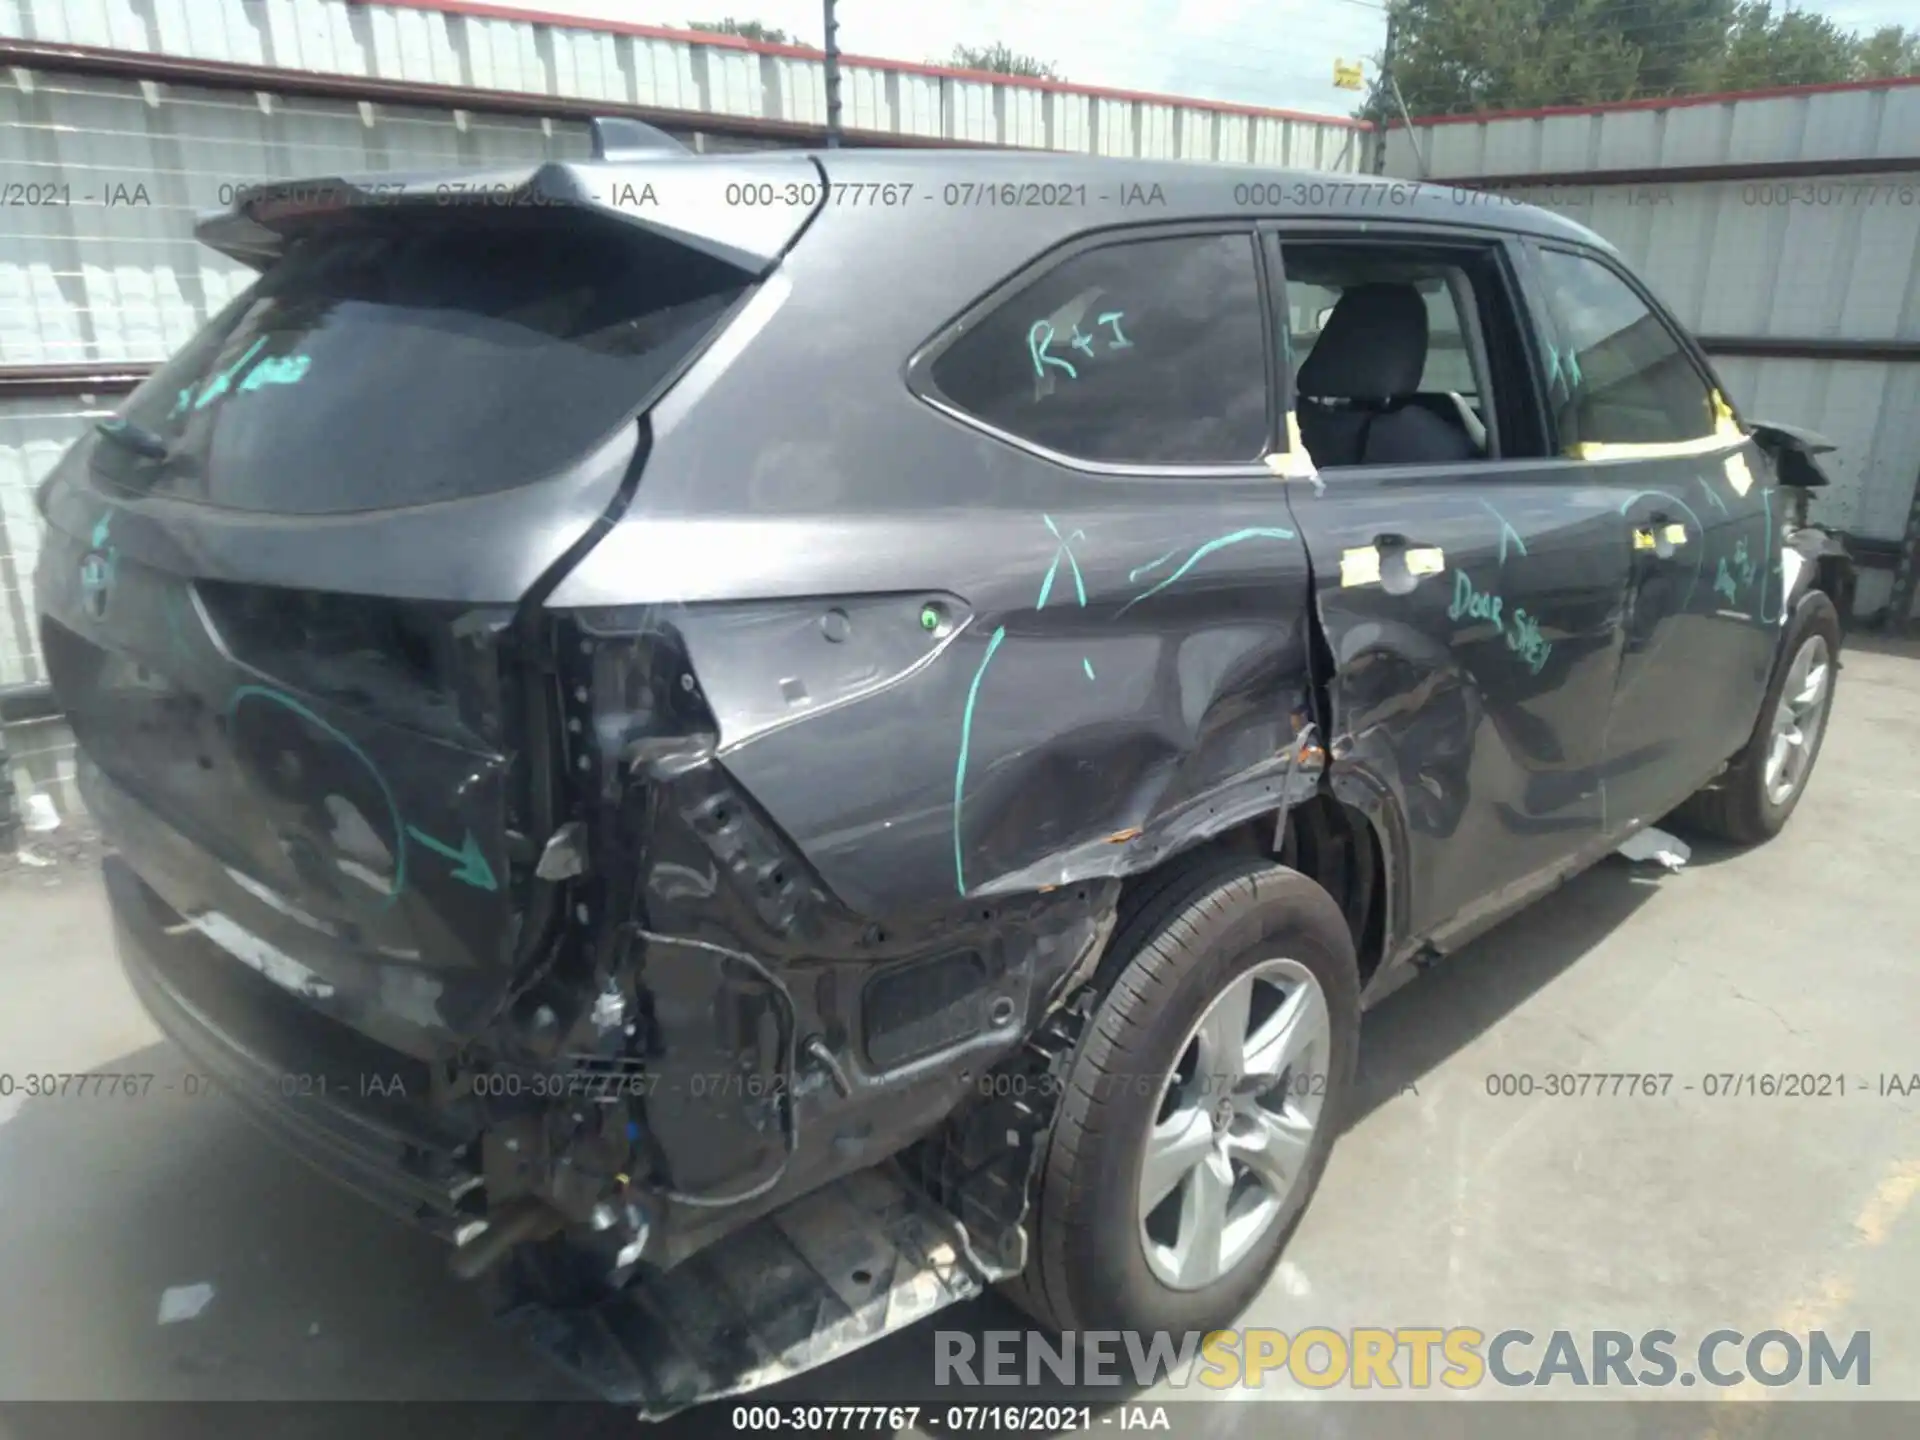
[421,358]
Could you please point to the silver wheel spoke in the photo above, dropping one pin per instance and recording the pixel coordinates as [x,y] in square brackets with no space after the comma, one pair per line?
[1797,675]
[1276,1148]
[1797,720]
[1796,759]
[1291,1030]
[1223,1039]
[1195,1226]
[1173,1149]
[1203,1221]
[1812,687]
[1784,741]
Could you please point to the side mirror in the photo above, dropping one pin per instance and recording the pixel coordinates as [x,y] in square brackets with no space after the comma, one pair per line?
[1792,450]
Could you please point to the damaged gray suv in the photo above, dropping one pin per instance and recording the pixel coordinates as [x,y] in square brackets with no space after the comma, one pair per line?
[765,742]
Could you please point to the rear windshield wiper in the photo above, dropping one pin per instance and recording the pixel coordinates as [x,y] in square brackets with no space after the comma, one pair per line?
[136,438]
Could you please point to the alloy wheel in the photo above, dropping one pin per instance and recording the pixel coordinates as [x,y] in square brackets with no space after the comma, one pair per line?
[1235,1124]
[1798,718]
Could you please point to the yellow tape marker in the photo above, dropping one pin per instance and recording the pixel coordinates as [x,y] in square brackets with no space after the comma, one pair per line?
[1359,567]
[1724,425]
[1296,463]
[1430,560]
[1726,431]
[1676,534]
[1662,450]
[1738,475]
[1643,539]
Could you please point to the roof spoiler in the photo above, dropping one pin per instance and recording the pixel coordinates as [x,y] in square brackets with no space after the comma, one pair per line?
[660,186]
[617,138]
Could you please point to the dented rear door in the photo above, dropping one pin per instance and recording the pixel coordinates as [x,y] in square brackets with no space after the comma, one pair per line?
[1472,613]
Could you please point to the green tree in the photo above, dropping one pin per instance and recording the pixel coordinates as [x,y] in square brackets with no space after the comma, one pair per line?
[1675,39]
[1465,55]
[1455,56]
[1001,61]
[745,29]
[1887,54]
[1793,47]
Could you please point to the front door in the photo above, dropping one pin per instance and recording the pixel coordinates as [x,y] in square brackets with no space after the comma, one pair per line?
[1696,501]
[1469,581]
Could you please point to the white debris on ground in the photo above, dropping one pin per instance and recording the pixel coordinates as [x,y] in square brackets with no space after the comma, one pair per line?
[1293,1280]
[184,1302]
[39,815]
[1657,845]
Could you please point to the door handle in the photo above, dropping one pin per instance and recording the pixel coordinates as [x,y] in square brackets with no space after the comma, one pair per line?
[1418,559]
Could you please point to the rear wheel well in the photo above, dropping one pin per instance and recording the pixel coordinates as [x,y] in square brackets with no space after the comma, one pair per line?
[1330,843]
[1833,576]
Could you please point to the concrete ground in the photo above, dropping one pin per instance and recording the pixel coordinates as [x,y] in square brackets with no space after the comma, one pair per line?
[1444,1205]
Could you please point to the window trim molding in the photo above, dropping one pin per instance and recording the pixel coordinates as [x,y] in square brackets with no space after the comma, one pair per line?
[917,373]
[1492,243]
[1729,432]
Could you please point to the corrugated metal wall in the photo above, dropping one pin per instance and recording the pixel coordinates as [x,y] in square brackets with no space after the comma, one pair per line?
[1806,129]
[101,267]
[1763,223]
[433,42]
[97,262]
[105,268]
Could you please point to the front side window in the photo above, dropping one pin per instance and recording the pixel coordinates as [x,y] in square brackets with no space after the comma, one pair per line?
[1143,352]
[1616,373]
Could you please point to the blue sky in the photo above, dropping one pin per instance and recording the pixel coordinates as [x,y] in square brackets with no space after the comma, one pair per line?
[1260,52]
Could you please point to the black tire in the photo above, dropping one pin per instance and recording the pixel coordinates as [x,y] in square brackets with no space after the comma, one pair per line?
[1181,939]
[1736,806]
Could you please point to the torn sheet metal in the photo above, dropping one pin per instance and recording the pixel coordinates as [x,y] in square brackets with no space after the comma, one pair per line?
[1658,846]
[1104,676]
[817,1280]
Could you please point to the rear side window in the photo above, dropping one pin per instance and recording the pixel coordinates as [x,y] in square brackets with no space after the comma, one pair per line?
[418,358]
[1144,352]
[1617,374]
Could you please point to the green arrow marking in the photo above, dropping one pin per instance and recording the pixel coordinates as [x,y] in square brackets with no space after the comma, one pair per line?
[470,866]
